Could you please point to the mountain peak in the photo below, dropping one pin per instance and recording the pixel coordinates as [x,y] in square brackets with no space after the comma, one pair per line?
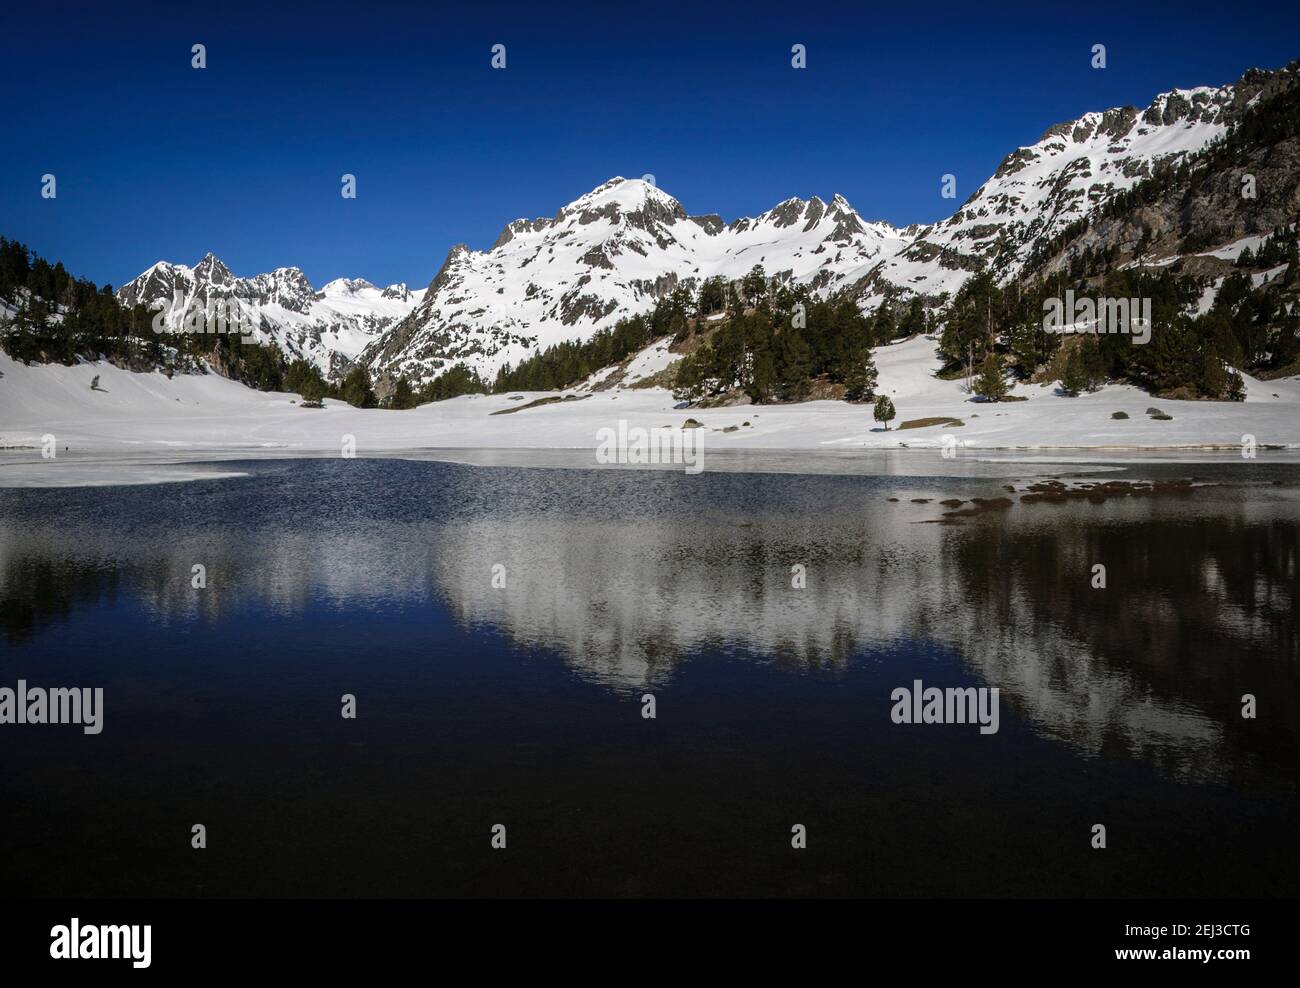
[345,286]
[212,271]
[628,194]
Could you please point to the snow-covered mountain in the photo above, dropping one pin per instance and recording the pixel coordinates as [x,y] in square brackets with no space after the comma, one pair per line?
[608,255]
[614,251]
[329,327]
[1040,189]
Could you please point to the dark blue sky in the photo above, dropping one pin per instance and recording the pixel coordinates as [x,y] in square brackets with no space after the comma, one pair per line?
[156,160]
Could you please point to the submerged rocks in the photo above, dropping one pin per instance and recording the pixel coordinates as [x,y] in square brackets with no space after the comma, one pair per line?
[1097,493]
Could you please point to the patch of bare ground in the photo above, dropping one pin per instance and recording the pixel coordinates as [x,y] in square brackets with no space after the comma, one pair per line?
[666,378]
[1290,370]
[548,400]
[933,420]
[725,400]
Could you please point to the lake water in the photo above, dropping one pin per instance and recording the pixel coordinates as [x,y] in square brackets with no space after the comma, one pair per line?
[522,705]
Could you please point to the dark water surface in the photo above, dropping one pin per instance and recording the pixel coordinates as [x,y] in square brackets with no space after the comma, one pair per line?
[521,705]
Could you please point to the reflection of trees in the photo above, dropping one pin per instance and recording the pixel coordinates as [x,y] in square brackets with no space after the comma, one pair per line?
[45,575]
[38,590]
[1200,609]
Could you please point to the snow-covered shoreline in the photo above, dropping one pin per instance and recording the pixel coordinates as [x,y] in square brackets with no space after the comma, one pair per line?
[206,416]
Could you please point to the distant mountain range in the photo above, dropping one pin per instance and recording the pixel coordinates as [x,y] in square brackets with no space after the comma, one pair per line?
[329,327]
[613,252]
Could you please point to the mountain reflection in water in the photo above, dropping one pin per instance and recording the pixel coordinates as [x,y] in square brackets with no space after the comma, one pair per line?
[630,577]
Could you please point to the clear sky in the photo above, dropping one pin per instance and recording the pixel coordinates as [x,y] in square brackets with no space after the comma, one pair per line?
[156,160]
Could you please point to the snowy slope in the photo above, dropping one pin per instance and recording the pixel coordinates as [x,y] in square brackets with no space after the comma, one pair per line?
[329,327]
[197,415]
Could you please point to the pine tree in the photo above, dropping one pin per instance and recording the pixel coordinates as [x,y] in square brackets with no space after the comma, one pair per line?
[991,385]
[754,285]
[913,321]
[884,410]
[884,326]
[1236,387]
[794,364]
[691,383]
[1073,378]
[860,380]
[356,390]
[403,396]
[968,334]
[762,376]
[312,390]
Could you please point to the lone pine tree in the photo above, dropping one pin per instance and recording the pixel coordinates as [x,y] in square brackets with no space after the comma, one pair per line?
[884,410]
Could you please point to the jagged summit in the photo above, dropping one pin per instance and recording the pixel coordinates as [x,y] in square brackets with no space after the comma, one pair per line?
[330,327]
[607,254]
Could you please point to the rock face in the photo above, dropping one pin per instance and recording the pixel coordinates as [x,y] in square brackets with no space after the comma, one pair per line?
[1039,190]
[329,327]
[1243,190]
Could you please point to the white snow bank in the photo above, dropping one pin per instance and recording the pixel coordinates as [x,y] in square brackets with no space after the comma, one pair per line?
[201,413]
